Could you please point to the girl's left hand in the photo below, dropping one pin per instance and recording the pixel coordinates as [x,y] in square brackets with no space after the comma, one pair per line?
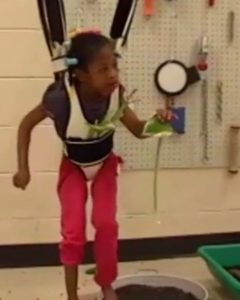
[165,115]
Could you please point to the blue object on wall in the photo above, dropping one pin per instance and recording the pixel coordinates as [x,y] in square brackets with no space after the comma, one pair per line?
[178,123]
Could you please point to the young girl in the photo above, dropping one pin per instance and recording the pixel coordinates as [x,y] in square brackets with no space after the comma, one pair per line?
[85,124]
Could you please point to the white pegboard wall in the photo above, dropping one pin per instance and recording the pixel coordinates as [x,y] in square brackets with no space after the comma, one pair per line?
[174,32]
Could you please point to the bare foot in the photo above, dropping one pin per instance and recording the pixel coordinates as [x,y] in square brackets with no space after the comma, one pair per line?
[109,294]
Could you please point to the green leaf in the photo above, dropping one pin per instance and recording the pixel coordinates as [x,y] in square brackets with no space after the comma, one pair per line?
[157,128]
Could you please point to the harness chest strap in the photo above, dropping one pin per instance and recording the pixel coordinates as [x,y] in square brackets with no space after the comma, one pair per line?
[88,144]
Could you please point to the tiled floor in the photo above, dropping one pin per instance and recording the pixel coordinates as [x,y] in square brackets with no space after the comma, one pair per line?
[47,283]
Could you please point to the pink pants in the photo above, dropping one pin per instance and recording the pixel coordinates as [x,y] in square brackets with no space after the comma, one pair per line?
[73,194]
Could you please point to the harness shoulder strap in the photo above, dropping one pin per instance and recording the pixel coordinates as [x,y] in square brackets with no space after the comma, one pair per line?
[77,125]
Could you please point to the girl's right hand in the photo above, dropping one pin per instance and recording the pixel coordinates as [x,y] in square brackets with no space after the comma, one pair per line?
[21,179]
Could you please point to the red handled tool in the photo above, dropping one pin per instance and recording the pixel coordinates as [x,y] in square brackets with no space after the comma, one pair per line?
[203,69]
[149,8]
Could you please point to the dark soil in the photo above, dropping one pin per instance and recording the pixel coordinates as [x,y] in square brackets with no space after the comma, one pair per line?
[141,292]
[235,272]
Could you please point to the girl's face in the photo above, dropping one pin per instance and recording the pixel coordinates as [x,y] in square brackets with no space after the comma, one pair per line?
[102,75]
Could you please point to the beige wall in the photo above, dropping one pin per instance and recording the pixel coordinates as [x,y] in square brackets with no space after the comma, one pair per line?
[190,201]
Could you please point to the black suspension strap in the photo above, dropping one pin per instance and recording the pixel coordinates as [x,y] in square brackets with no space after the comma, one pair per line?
[122,22]
[53,20]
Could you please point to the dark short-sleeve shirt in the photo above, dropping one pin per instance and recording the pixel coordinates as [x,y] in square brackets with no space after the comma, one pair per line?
[57,104]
